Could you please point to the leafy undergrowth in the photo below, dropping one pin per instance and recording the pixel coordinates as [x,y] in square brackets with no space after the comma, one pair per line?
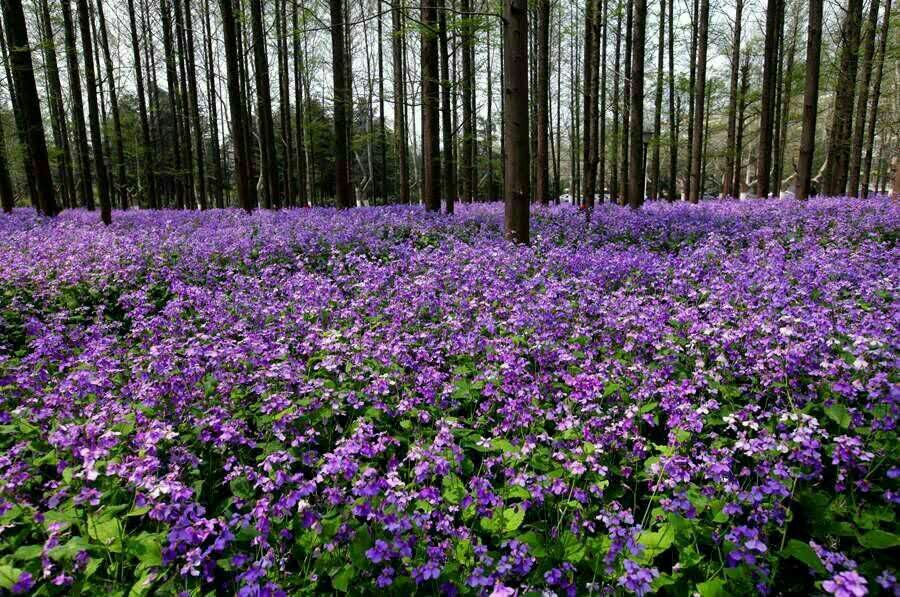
[686,399]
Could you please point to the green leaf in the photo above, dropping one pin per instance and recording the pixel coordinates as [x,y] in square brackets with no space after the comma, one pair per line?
[803,552]
[656,542]
[879,540]
[572,547]
[8,576]
[839,414]
[70,548]
[147,548]
[341,580]
[512,518]
[534,542]
[28,552]
[454,489]
[142,586]
[108,532]
[712,588]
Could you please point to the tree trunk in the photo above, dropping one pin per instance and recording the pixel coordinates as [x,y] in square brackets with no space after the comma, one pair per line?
[57,109]
[303,194]
[673,120]
[728,189]
[786,98]
[7,196]
[657,114]
[626,101]
[448,168]
[90,79]
[400,133]
[246,191]
[542,120]
[85,187]
[767,99]
[588,86]
[284,102]
[636,146]
[696,187]
[173,97]
[469,156]
[193,96]
[741,122]
[341,106]
[431,156]
[216,179]
[121,184]
[146,151]
[835,179]
[601,141]
[515,120]
[382,132]
[876,92]
[692,82]
[268,162]
[810,100]
[614,170]
[856,141]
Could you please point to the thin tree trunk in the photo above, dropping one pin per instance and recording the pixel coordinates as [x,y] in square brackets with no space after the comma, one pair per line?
[90,80]
[382,133]
[835,179]
[636,146]
[767,99]
[515,121]
[786,99]
[400,133]
[341,105]
[673,120]
[469,156]
[121,184]
[216,181]
[7,196]
[601,141]
[246,191]
[542,176]
[810,100]
[692,105]
[728,189]
[193,96]
[739,140]
[626,104]
[657,114]
[448,167]
[876,93]
[268,161]
[588,85]
[862,103]
[146,151]
[431,156]
[173,96]
[299,118]
[615,197]
[81,144]
[696,187]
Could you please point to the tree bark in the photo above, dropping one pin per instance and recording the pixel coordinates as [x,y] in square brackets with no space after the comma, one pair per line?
[810,100]
[341,106]
[786,98]
[193,96]
[121,183]
[657,114]
[673,120]
[431,156]
[767,99]
[542,176]
[268,162]
[696,188]
[85,187]
[728,189]
[246,191]
[146,151]
[588,182]
[90,79]
[835,178]
[876,93]
[626,101]
[216,178]
[636,147]
[400,133]
[448,167]
[692,81]
[862,103]
[515,121]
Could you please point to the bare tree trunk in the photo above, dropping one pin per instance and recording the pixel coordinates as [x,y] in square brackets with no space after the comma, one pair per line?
[835,179]
[786,98]
[767,99]
[268,161]
[862,103]
[601,141]
[193,96]
[741,122]
[146,152]
[19,53]
[303,192]
[673,120]
[216,158]
[692,69]
[657,114]
[626,104]
[246,190]
[448,168]
[90,79]
[81,144]
[542,176]
[382,133]
[728,189]
[696,188]
[469,155]
[810,100]
[341,105]
[876,92]
[21,126]
[57,109]
[284,101]
[121,184]
[615,197]
[515,121]
[431,156]
[7,196]
[589,100]
[400,133]
[636,156]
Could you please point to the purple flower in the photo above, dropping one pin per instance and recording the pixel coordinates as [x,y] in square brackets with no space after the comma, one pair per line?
[846,584]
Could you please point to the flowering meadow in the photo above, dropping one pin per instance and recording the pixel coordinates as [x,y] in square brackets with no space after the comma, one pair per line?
[683,400]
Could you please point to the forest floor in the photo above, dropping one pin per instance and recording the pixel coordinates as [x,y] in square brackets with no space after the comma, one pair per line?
[686,398]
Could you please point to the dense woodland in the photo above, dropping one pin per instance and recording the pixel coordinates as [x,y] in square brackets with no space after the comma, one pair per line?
[217,103]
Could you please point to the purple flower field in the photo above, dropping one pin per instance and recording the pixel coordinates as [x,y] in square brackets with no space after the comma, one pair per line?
[683,400]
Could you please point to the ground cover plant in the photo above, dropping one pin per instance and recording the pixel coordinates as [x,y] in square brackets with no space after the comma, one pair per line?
[685,399]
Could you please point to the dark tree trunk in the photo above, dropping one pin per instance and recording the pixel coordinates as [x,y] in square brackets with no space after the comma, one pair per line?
[876,92]
[673,119]
[121,184]
[810,100]
[588,181]
[431,150]
[81,145]
[284,101]
[173,95]
[728,189]
[767,99]
[268,162]
[146,152]
[657,114]
[449,167]
[614,169]
[515,120]
[90,80]
[57,109]
[7,196]
[246,191]
[27,95]
[193,96]
[696,186]
[341,105]
[382,131]
[692,99]
[299,119]
[739,140]
[21,127]
[469,156]
[542,116]
[216,178]
[400,134]
[862,103]
[835,178]
[601,141]
[626,104]
[636,147]
[786,97]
